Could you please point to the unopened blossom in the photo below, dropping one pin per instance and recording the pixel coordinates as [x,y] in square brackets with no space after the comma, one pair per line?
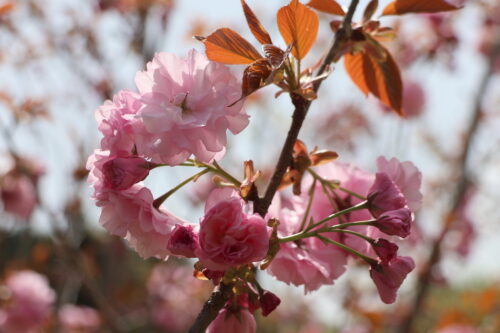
[229,236]
[79,319]
[413,99]
[268,302]
[183,241]
[29,303]
[228,321]
[388,276]
[385,250]
[384,195]
[18,195]
[120,173]
[395,222]
[185,108]
[407,178]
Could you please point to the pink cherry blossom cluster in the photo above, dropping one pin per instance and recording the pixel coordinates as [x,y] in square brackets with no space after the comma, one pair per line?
[180,111]
[180,116]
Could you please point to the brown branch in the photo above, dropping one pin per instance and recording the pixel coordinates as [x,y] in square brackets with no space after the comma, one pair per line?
[425,278]
[261,205]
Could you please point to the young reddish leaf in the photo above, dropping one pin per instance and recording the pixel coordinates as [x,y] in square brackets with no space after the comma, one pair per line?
[255,26]
[255,76]
[275,55]
[399,7]
[370,10]
[378,76]
[327,6]
[299,26]
[226,46]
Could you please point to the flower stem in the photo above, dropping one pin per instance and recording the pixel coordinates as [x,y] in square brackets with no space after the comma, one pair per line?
[158,201]
[369,260]
[359,206]
[353,224]
[333,185]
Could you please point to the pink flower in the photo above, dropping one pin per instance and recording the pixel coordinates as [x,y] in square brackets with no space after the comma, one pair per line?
[385,250]
[118,122]
[185,108]
[228,322]
[268,302]
[183,241]
[230,237]
[413,99]
[406,176]
[395,222]
[18,194]
[79,319]
[30,303]
[130,214]
[384,195]
[388,276]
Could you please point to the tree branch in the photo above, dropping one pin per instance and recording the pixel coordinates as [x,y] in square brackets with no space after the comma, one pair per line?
[261,205]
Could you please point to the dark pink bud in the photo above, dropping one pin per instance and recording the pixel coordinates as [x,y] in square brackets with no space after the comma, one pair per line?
[268,302]
[183,241]
[121,173]
[384,195]
[215,276]
[396,222]
[385,250]
[388,276]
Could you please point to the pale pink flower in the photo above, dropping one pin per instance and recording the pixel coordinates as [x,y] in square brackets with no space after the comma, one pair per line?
[312,263]
[241,321]
[29,305]
[117,121]
[183,241]
[79,319]
[18,194]
[388,276]
[185,108]
[384,195]
[230,237]
[406,176]
[175,297]
[130,214]
[395,222]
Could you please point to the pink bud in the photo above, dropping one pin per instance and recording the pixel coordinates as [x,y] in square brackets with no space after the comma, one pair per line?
[385,250]
[18,194]
[121,173]
[268,302]
[183,241]
[396,222]
[388,276]
[227,321]
[384,195]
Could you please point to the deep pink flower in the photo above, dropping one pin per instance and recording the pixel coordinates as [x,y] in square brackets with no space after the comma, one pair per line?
[185,108]
[183,241]
[228,322]
[268,302]
[30,303]
[75,319]
[385,250]
[413,99]
[117,121]
[384,195]
[395,222]
[230,237]
[388,276]
[18,194]
[406,176]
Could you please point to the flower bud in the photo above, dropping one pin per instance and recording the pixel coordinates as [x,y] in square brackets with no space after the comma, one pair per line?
[268,302]
[384,195]
[121,173]
[183,241]
[385,249]
[396,222]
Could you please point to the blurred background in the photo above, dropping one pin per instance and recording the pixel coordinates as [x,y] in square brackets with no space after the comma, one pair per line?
[61,59]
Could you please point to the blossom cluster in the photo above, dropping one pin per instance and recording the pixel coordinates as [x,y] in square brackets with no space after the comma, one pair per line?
[180,116]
